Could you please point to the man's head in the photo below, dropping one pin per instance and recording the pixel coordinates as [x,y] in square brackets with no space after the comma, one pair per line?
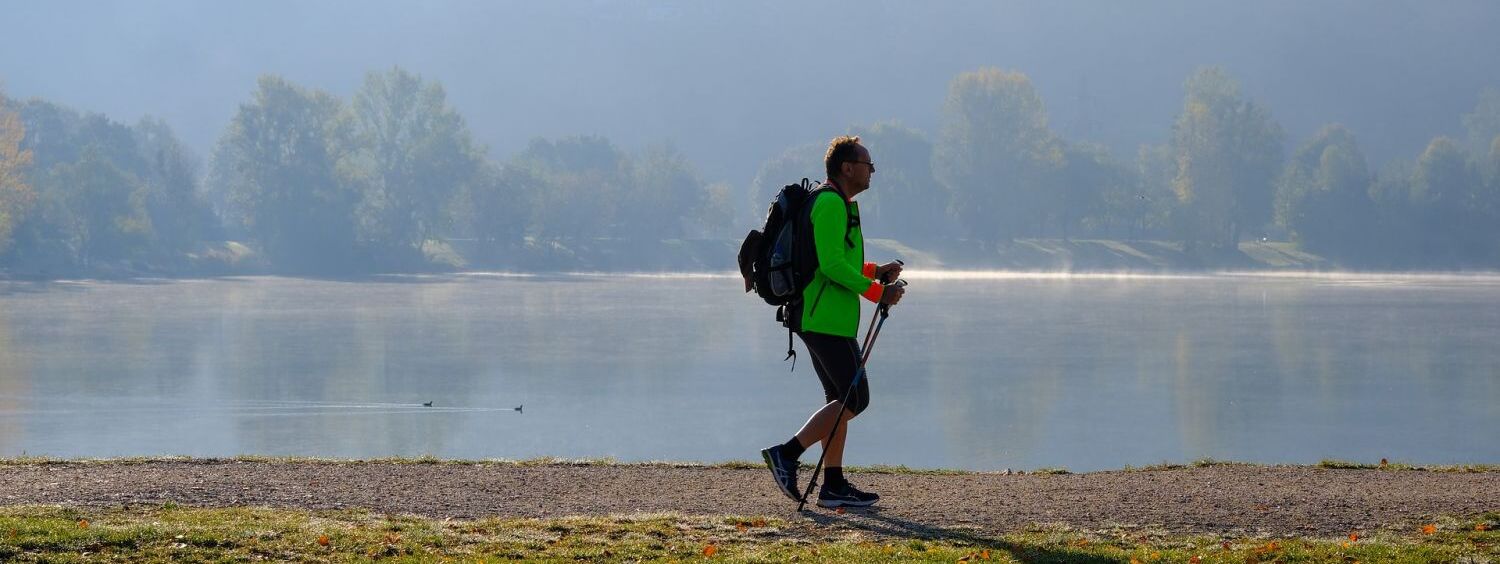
[848,164]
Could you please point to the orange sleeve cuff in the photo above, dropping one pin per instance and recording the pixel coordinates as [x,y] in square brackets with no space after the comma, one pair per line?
[869,270]
[875,292]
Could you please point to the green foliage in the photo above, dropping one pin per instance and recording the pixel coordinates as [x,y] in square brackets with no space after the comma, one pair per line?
[584,177]
[904,201]
[502,199]
[663,197]
[16,195]
[278,162]
[1095,190]
[106,194]
[99,208]
[412,155]
[179,215]
[1228,151]
[1147,209]
[1483,124]
[996,155]
[1323,196]
[1450,206]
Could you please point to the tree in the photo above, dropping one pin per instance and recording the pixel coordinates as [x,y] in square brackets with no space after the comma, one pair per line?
[584,178]
[904,201]
[502,200]
[995,154]
[664,196]
[1447,206]
[790,166]
[717,217]
[1323,196]
[179,215]
[278,161]
[1483,124]
[1144,205]
[16,195]
[413,156]
[1088,181]
[104,208]
[1228,152]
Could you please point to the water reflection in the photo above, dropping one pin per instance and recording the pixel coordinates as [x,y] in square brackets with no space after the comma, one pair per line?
[973,370]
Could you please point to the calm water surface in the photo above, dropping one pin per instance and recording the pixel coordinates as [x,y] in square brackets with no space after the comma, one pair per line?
[978,371]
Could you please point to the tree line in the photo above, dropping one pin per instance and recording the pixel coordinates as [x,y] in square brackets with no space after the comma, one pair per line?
[316,183]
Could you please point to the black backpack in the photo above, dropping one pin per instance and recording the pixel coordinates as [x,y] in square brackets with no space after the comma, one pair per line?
[778,261]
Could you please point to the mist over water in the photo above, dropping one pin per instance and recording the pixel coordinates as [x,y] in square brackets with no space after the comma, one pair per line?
[980,371]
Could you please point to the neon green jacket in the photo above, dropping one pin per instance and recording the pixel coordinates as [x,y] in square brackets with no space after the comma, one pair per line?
[830,303]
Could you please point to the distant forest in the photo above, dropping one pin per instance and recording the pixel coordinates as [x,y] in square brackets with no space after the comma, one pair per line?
[391,180]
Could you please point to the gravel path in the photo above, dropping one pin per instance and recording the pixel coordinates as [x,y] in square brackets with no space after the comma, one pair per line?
[1227,499]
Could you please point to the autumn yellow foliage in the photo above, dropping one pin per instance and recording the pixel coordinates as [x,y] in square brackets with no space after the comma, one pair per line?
[15,194]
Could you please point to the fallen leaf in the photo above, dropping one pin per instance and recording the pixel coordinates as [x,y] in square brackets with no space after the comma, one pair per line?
[758,523]
[1083,542]
[709,550]
[985,555]
[1353,537]
[1346,544]
[1429,529]
[1479,527]
[1155,555]
[1195,559]
[741,526]
[1225,545]
[839,511]
[83,523]
[392,538]
[323,540]
[1134,561]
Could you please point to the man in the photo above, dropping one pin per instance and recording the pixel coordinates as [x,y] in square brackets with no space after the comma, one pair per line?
[827,320]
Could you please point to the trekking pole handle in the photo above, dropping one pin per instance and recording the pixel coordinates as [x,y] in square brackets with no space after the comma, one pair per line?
[885,309]
[898,261]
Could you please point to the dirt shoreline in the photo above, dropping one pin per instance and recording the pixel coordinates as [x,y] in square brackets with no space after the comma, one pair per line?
[1239,500]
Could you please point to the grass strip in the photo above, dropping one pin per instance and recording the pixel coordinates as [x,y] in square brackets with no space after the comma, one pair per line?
[170,533]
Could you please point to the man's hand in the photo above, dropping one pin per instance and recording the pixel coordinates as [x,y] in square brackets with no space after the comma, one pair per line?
[892,293]
[888,272]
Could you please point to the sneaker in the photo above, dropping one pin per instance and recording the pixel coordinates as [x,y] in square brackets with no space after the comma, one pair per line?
[783,469]
[845,495]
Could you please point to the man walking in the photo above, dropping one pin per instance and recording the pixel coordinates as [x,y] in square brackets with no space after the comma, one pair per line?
[827,320]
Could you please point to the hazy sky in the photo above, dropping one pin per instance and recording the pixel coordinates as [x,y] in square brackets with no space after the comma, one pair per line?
[733,83]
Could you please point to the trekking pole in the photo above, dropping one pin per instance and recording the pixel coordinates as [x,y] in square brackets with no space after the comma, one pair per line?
[881,312]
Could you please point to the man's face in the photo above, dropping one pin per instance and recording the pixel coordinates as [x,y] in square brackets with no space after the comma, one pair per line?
[860,170]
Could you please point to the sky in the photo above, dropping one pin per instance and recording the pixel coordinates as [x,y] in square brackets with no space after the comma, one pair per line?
[731,84]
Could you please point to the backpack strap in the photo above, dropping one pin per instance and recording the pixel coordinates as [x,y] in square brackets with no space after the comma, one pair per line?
[851,221]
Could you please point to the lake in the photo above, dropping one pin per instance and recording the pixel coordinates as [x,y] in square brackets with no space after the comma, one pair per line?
[973,370]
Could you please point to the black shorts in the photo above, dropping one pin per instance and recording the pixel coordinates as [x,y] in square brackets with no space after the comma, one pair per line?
[836,360]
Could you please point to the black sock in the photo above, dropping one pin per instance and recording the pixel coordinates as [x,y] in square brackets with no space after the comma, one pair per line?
[793,448]
[833,477]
